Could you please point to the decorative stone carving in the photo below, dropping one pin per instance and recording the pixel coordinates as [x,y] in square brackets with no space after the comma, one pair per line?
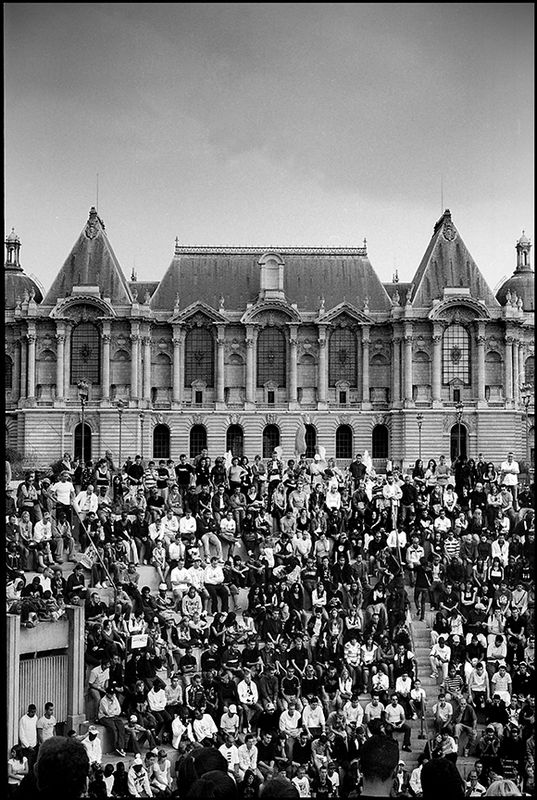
[197,419]
[134,293]
[234,419]
[270,419]
[221,302]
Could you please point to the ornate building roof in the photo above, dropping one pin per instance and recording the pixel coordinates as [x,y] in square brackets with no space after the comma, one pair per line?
[17,286]
[447,263]
[309,274]
[91,262]
[521,284]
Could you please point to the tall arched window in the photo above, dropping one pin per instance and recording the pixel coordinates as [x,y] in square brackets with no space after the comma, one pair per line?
[199,356]
[344,442]
[235,440]
[456,354]
[161,441]
[458,441]
[8,374]
[311,440]
[342,357]
[198,440]
[271,357]
[271,439]
[379,442]
[86,353]
[87,442]
[529,369]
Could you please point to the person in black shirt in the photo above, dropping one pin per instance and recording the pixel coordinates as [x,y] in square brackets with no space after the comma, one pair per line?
[267,722]
[301,751]
[183,472]
[136,471]
[267,753]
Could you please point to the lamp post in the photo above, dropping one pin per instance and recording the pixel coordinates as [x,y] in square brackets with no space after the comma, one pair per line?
[526,393]
[83,394]
[459,408]
[419,420]
[141,415]
[120,405]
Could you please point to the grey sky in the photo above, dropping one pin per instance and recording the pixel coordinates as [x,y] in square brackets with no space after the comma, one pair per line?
[275,124]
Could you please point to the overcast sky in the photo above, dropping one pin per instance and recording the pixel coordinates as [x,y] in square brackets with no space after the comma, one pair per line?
[269,124]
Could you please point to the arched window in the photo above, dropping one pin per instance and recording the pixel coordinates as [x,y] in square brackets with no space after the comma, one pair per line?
[271,439]
[379,443]
[342,357]
[87,441]
[198,440]
[161,441]
[458,441]
[86,353]
[493,369]
[529,370]
[199,356]
[271,357]
[235,440]
[8,374]
[344,442]
[311,440]
[456,354]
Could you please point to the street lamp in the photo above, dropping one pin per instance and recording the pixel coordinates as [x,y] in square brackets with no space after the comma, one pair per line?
[459,408]
[120,405]
[83,394]
[141,415]
[419,420]
[526,394]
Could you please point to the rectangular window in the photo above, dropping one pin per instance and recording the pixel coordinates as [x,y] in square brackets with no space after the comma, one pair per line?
[456,395]
[343,398]
[198,398]
[270,397]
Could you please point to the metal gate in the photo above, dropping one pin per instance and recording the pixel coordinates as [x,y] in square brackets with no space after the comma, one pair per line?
[44,679]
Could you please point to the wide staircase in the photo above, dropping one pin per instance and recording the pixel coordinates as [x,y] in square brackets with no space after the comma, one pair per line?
[421,633]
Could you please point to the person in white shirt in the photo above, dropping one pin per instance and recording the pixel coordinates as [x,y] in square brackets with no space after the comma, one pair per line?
[290,725]
[392,493]
[138,779]
[93,746]
[500,549]
[28,733]
[46,725]
[214,584]
[394,714]
[230,751]
[374,710]
[415,777]
[301,781]
[230,721]
[418,699]
[196,577]
[440,656]
[249,700]
[353,713]
[180,581]
[403,687]
[509,472]
[248,756]
[204,728]
[442,523]
[313,718]
[187,524]
[170,525]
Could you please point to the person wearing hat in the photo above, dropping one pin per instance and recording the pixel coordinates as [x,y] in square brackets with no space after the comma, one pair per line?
[230,721]
[136,735]
[138,779]
[93,746]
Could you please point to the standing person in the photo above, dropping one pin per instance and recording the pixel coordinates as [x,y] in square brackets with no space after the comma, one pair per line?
[509,472]
[63,493]
[46,725]
[28,734]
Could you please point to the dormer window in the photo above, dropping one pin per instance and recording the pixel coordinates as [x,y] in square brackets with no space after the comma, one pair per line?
[271,277]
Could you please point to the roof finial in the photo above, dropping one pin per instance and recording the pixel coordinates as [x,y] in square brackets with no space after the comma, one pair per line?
[395,278]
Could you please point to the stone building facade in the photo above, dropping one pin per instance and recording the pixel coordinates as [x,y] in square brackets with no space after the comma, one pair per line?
[237,347]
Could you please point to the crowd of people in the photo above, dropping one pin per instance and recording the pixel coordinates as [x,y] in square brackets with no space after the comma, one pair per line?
[280,633]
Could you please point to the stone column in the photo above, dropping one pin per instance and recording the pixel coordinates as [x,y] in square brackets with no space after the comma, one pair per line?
[31,339]
[16,390]
[409,401]
[13,627]
[251,360]
[60,361]
[24,368]
[521,365]
[480,340]
[106,338]
[516,378]
[178,363]
[366,335]
[135,358]
[322,375]
[147,368]
[396,369]
[75,668]
[293,375]
[220,364]
[67,361]
[509,369]
[437,364]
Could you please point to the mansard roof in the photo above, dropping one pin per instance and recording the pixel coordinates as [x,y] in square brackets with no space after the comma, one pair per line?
[447,263]
[91,262]
[233,273]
